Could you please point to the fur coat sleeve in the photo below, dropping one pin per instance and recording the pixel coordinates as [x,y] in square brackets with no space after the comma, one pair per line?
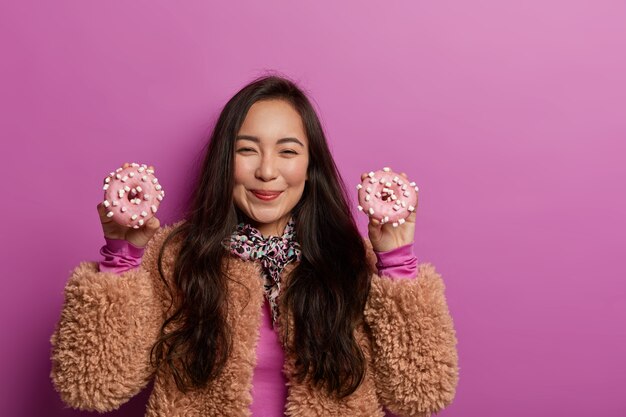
[101,343]
[413,341]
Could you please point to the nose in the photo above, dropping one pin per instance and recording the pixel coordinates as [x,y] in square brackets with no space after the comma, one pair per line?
[267,169]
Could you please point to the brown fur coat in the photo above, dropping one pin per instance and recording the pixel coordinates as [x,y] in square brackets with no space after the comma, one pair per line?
[109,322]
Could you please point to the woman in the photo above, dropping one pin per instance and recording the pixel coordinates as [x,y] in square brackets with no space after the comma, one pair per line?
[264,300]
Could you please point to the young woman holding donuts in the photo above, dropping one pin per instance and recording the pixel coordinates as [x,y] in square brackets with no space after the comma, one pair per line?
[264,299]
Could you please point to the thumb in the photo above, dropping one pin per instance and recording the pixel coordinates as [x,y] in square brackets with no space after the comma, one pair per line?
[374,229]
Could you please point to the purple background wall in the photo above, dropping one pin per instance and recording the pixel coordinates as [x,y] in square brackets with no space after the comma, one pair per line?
[510,116]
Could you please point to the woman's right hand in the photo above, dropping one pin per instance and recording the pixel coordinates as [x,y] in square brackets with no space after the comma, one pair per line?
[138,237]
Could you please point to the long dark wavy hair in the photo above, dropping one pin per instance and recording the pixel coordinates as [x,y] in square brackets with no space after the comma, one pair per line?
[328,288]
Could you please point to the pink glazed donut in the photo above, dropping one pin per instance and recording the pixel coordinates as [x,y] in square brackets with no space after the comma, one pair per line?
[132,195]
[387,196]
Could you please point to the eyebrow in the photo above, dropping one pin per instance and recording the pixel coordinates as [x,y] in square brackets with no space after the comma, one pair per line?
[257,140]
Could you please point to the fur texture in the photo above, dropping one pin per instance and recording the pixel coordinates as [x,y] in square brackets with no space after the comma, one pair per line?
[109,322]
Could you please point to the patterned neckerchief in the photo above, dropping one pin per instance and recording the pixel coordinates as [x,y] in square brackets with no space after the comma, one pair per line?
[274,252]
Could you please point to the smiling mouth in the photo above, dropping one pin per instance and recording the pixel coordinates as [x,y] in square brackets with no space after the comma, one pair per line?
[266,195]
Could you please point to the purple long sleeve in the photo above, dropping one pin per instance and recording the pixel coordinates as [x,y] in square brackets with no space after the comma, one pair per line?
[397,263]
[269,389]
[119,256]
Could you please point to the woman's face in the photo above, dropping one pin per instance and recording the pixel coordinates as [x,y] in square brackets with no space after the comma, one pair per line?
[271,160]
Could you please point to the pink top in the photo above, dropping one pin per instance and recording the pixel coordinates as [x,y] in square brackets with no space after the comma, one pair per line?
[269,384]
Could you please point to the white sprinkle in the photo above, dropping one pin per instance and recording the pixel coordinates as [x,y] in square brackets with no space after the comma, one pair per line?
[120,193]
[411,208]
[154,181]
[378,195]
[386,219]
[372,180]
[388,184]
[144,178]
[394,224]
[143,214]
[112,174]
[382,180]
[406,194]
[140,222]
[142,169]
[134,217]
[371,210]
[126,188]
[110,214]
[417,188]
[133,191]
[367,197]
[105,187]
[359,208]
[123,209]
[105,203]
[146,196]
[131,174]
[118,176]
[371,174]
[400,182]
[119,169]
[144,166]
[368,189]
[393,197]
[403,204]
[412,184]
[139,188]
[395,179]
[124,178]
[115,203]
[153,208]
[396,207]
[157,187]
[107,180]
[160,198]
[134,164]
[136,226]
[150,171]
[386,169]
[359,186]
[401,221]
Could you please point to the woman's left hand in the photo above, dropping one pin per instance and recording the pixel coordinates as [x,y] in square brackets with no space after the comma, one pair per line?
[386,237]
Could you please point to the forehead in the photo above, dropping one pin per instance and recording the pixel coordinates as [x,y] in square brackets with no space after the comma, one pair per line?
[270,120]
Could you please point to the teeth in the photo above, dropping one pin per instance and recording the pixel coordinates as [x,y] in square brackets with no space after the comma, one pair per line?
[386,169]
[105,187]
[359,186]
[371,211]
[123,209]
[144,214]
[153,208]
[358,208]
[105,203]
[110,214]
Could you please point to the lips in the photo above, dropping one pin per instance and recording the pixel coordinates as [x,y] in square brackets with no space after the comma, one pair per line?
[265,195]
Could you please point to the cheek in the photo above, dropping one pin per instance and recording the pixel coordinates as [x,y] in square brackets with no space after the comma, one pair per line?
[296,173]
